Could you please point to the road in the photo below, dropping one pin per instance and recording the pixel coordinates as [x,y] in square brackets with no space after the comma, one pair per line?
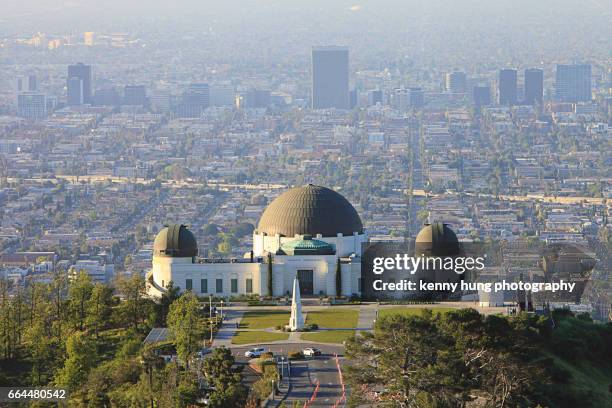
[304,374]
[229,186]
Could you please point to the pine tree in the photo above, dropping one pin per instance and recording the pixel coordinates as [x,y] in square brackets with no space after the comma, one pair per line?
[270,292]
[338,278]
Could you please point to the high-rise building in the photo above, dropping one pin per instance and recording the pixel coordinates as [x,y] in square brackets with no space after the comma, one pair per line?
[75,91]
[481,95]
[375,96]
[32,83]
[198,94]
[330,77]
[195,99]
[160,101]
[455,82]
[417,97]
[534,86]
[32,105]
[81,72]
[134,95]
[507,87]
[222,94]
[107,97]
[257,98]
[400,99]
[353,96]
[573,83]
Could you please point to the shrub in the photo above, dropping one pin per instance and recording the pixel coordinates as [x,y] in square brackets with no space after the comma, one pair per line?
[296,355]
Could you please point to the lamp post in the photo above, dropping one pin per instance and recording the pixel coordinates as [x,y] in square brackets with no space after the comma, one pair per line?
[221,310]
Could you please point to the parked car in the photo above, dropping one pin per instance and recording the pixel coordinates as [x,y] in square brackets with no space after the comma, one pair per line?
[254,352]
[311,352]
[204,352]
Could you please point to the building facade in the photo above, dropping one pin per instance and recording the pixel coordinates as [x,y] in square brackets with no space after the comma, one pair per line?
[309,232]
[534,86]
[330,77]
[507,87]
[573,83]
[79,84]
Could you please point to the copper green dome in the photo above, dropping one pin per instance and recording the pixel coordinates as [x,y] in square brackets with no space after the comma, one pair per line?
[310,210]
[307,246]
[175,241]
[437,239]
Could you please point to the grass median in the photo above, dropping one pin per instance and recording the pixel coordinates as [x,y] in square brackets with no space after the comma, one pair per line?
[334,318]
[263,319]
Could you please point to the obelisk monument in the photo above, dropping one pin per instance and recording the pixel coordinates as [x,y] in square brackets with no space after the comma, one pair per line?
[296,321]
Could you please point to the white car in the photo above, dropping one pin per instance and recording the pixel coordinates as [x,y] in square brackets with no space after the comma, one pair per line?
[254,352]
[311,352]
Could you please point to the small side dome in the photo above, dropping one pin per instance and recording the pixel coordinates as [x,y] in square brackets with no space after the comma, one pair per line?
[437,239]
[175,241]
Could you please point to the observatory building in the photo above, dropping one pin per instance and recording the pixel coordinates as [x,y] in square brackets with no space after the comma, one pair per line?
[306,233]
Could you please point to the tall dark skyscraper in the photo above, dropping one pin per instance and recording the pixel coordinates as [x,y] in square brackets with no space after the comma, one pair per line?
[507,87]
[79,72]
[75,91]
[481,95]
[134,95]
[573,83]
[534,86]
[330,77]
[195,99]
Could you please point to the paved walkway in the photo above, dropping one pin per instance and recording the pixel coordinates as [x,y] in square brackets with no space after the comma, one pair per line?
[228,328]
[367,315]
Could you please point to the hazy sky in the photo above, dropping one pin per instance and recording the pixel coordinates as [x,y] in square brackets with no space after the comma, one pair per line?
[76,14]
[499,30]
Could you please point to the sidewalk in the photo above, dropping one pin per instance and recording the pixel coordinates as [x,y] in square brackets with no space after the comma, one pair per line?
[367,315]
[227,329]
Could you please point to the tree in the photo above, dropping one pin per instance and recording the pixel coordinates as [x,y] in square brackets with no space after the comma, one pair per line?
[443,360]
[169,296]
[338,278]
[135,307]
[270,266]
[186,325]
[79,292]
[99,307]
[41,348]
[221,375]
[81,356]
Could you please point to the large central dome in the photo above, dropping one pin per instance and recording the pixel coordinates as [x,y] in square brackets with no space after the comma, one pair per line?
[310,210]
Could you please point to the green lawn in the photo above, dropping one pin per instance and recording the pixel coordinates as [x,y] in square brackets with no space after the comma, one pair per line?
[334,318]
[263,319]
[328,336]
[246,337]
[411,311]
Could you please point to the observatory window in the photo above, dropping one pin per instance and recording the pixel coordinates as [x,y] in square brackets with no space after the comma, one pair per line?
[234,284]
[249,286]
[188,284]
[219,284]
[203,285]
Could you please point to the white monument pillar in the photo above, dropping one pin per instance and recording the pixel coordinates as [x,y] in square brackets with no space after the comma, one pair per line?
[296,321]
